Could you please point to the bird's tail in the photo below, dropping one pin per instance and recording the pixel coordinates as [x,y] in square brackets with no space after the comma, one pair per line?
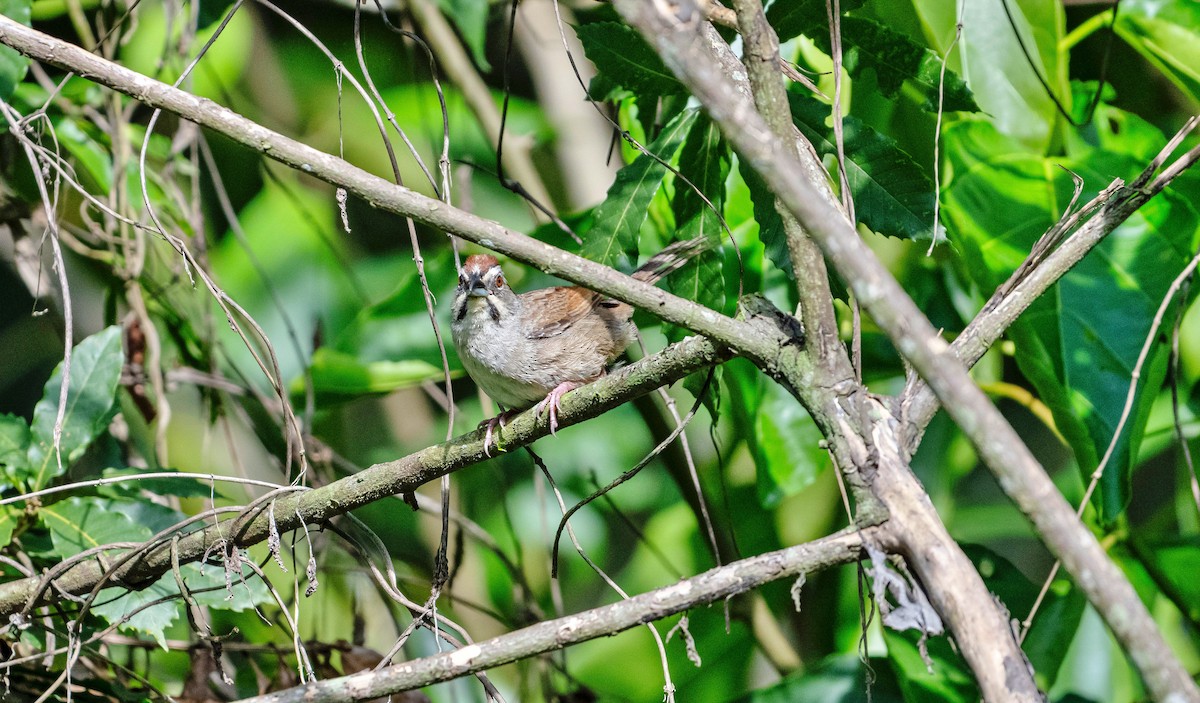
[669,259]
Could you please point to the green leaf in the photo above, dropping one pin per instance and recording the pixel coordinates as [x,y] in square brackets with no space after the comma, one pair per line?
[1174,564]
[8,524]
[1167,33]
[791,18]
[613,238]
[892,193]
[786,445]
[989,57]
[1079,342]
[470,17]
[895,59]
[91,394]
[950,680]
[339,375]
[14,447]
[841,679]
[78,524]
[90,156]
[625,59]
[1057,620]
[770,224]
[699,201]
[13,65]
[185,486]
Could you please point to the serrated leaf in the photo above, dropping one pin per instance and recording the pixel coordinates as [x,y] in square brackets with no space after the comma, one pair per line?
[770,224]
[620,54]
[13,65]
[14,447]
[892,193]
[1167,33]
[470,17]
[698,203]
[1079,342]
[96,364]
[895,59]
[791,18]
[613,238]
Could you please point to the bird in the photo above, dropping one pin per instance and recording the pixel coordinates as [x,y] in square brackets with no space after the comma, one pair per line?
[532,348]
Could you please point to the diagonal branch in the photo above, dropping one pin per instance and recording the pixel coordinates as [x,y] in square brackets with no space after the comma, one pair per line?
[387,196]
[677,40]
[708,587]
[389,478]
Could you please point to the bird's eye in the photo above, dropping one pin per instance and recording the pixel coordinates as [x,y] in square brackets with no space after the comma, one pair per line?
[499,282]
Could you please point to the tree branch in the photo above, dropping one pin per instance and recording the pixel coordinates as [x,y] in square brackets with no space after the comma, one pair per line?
[1113,206]
[678,41]
[715,584]
[385,195]
[379,481]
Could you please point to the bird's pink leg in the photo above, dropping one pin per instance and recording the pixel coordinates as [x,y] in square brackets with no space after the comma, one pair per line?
[551,402]
[490,425]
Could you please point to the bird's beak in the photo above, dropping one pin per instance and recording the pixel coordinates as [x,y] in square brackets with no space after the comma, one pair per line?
[475,286]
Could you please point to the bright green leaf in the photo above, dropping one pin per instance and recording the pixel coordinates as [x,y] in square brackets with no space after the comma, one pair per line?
[91,394]
[12,64]
[1167,33]
[14,446]
[624,58]
[338,374]
[470,17]
[1078,343]
[8,524]
[78,524]
[836,680]
[786,445]
[91,157]
[892,193]
[1175,564]
[613,237]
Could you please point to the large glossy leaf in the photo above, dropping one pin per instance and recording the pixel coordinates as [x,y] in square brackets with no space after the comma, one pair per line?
[786,444]
[990,58]
[1174,565]
[91,393]
[613,238]
[1078,343]
[625,59]
[892,193]
[12,64]
[1167,33]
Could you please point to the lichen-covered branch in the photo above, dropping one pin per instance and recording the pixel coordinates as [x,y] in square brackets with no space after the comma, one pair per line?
[380,481]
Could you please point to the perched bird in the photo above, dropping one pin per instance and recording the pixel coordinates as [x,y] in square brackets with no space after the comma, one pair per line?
[534,347]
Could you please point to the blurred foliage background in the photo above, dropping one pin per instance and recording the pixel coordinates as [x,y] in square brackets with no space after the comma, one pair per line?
[168,385]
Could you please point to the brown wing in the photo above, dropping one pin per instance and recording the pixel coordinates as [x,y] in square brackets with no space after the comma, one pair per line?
[560,308]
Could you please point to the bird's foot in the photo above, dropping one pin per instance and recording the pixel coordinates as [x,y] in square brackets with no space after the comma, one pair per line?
[551,402]
[489,427]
